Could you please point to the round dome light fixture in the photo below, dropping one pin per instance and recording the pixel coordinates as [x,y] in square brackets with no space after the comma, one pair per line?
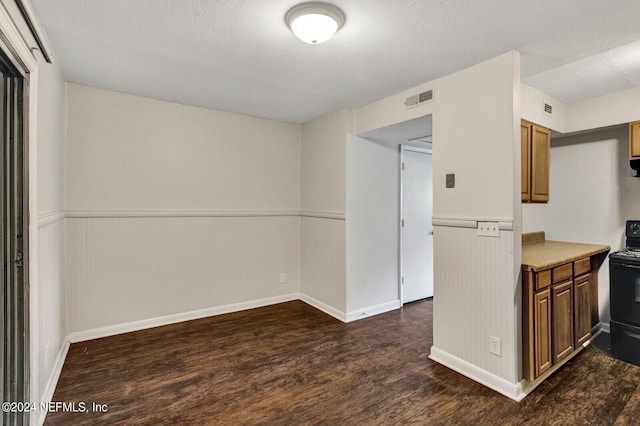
[314,22]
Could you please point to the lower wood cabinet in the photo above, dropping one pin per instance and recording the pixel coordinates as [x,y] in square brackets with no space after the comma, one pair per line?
[542,330]
[556,314]
[582,309]
[562,320]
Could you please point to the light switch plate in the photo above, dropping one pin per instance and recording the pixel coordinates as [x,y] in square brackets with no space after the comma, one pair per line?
[451,180]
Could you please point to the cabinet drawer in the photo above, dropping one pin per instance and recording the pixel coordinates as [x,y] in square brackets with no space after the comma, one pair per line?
[543,279]
[562,272]
[582,266]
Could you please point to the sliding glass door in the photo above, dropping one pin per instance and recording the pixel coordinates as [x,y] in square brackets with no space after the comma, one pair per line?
[14,303]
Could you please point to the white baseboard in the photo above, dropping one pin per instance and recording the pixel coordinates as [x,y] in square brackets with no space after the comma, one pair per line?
[372,310]
[490,380]
[339,315]
[601,326]
[96,333]
[53,379]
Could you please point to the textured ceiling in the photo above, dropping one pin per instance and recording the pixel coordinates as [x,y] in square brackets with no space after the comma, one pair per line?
[239,55]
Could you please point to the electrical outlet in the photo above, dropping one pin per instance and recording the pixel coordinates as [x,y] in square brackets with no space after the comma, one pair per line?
[283,278]
[495,345]
[488,229]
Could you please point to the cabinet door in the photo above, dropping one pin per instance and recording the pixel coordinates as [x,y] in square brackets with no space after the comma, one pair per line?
[562,319]
[634,140]
[542,331]
[525,155]
[540,159]
[582,306]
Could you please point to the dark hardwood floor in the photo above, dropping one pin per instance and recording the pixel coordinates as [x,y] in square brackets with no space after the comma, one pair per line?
[289,364]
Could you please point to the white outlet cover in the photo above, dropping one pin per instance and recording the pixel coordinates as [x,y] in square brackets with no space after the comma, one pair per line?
[495,345]
[488,229]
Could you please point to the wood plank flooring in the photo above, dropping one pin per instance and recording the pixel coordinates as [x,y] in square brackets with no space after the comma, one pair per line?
[289,364]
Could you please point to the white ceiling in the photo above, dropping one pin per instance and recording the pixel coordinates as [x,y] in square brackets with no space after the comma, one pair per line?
[239,55]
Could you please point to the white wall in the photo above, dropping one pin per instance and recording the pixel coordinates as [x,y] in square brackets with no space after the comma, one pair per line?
[175,209]
[46,105]
[468,152]
[607,110]
[132,153]
[323,204]
[476,115]
[324,149]
[52,322]
[475,137]
[372,227]
[129,270]
[532,108]
[45,102]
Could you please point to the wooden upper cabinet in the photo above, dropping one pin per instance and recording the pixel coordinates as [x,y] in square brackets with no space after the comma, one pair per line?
[634,140]
[540,159]
[536,156]
[525,154]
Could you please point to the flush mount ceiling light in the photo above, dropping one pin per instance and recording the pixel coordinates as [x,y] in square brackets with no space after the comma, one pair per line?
[314,22]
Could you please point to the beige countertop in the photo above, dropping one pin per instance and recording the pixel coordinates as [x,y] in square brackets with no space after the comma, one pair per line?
[543,254]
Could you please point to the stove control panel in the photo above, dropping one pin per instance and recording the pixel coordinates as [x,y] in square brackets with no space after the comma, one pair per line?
[633,234]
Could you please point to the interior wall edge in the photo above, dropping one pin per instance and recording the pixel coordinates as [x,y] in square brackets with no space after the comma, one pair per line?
[370,311]
[49,218]
[50,387]
[327,309]
[323,215]
[488,379]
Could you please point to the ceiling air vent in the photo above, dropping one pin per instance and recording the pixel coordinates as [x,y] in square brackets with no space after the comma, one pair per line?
[548,109]
[419,99]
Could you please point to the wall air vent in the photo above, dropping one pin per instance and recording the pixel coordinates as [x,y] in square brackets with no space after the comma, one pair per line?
[548,109]
[419,99]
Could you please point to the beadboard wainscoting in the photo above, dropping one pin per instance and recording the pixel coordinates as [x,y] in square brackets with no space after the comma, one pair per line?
[131,270]
[475,302]
[50,331]
[323,266]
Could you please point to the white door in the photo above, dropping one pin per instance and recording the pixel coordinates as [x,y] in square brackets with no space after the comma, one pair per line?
[416,227]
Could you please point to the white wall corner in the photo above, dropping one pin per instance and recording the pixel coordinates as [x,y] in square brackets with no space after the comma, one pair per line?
[330,310]
[484,377]
[50,387]
[372,310]
[601,327]
[532,108]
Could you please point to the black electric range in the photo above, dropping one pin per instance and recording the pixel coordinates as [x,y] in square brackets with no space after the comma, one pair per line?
[624,293]
[631,253]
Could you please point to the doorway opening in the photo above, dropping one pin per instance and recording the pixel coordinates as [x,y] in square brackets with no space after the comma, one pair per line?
[416,229]
[14,299]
